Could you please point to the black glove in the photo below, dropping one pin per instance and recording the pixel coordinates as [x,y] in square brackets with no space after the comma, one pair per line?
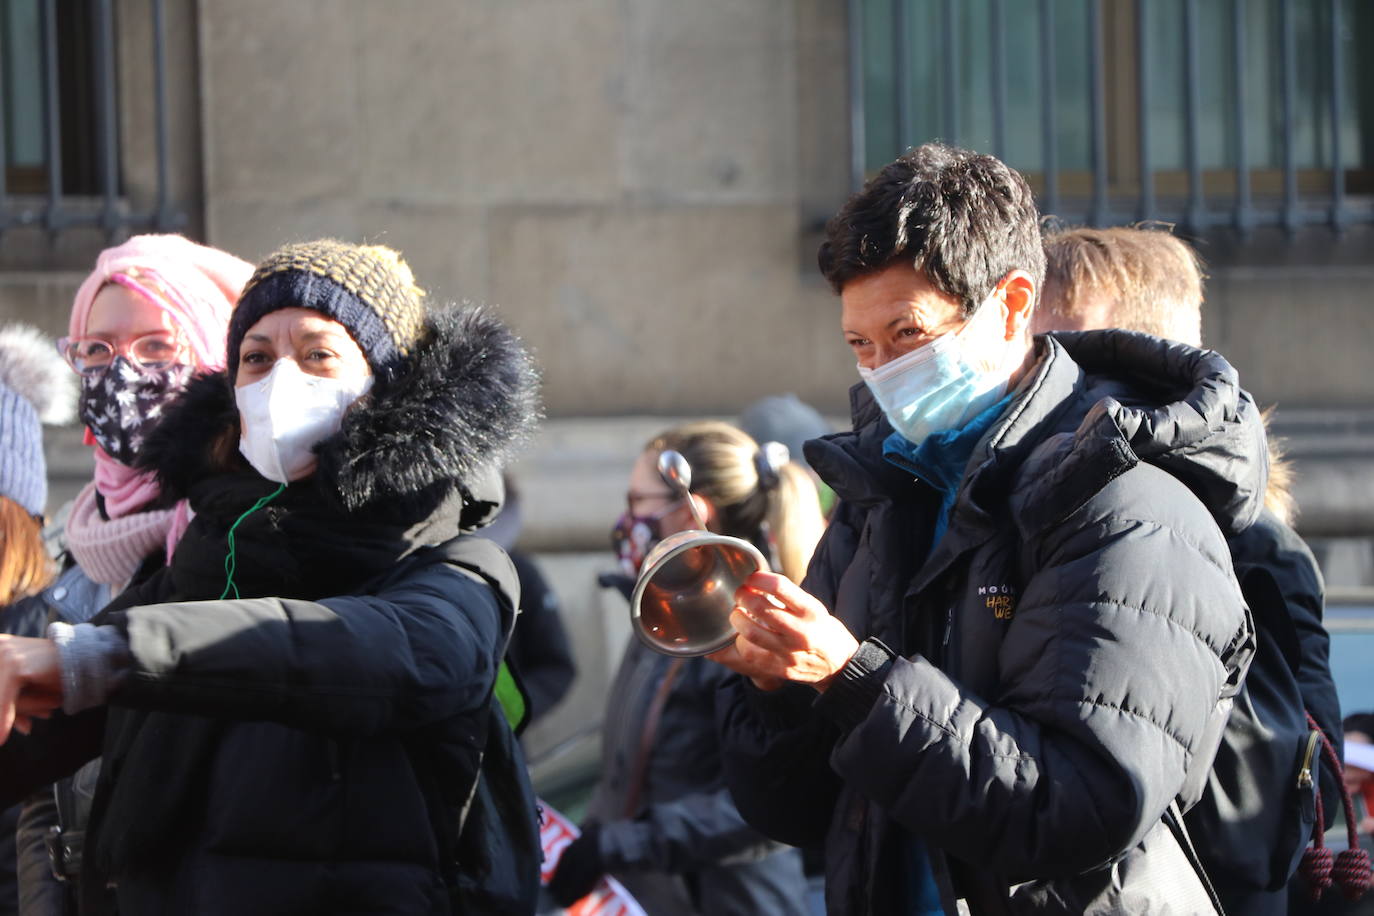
[578,870]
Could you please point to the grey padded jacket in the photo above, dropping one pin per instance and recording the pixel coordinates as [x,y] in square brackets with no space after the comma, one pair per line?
[1032,697]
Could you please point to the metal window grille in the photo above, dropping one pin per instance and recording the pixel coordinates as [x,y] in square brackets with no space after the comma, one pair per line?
[910,54]
[79,184]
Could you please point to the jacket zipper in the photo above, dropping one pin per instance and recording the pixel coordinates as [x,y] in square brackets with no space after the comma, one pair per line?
[1305,774]
[945,639]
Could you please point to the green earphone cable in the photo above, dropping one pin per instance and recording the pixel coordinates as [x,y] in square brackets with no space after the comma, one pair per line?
[230,560]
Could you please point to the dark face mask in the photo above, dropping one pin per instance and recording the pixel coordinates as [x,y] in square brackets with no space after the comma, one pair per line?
[121,405]
[632,538]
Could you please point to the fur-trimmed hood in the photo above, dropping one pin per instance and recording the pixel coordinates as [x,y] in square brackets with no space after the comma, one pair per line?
[445,427]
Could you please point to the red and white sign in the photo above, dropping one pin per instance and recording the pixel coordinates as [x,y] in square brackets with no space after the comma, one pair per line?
[608,898]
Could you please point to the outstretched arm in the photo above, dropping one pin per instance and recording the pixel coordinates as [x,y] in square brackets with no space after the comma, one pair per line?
[419,651]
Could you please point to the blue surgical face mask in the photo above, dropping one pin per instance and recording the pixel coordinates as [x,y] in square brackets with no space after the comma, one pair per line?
[949,381]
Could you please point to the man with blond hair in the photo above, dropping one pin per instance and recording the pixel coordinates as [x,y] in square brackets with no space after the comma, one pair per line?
[1136,278]
[1250,826]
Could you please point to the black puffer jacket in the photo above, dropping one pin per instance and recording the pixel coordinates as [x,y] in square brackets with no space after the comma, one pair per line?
[309,746]
[1060,667]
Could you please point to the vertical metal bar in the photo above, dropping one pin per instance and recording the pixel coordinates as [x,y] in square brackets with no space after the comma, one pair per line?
[163,213]
[1197,215]
[1337,166]
[858,153]
[901,66]
[999,81]
[1047,88]
[1244,218]
[1097,114]
[952,57]
[4,56]
[1146,210]
[52,151]
[106,117]
[1288,58]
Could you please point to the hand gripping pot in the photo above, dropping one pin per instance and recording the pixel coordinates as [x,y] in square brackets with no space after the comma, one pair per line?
[682,602]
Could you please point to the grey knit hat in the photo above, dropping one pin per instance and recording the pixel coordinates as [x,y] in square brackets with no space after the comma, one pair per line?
[36,387]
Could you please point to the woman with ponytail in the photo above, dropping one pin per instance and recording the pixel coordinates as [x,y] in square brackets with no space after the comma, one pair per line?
[662,821]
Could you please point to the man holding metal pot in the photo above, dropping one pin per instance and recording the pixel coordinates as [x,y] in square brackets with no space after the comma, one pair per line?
[1010,663]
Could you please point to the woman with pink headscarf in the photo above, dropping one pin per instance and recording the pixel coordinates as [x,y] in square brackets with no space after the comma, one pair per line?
[152,314]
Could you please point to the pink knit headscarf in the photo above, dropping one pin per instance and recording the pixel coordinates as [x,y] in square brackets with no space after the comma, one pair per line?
[197,287]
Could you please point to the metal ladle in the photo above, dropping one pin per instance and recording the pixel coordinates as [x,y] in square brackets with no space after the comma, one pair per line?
[683,598]
[677,474]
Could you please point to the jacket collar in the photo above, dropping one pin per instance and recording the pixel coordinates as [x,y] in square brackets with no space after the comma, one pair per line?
[1193,420]
[851,463]
[1040,402]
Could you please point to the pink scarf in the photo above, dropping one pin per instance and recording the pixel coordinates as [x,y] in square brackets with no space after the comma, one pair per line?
[110,552]
[125,490]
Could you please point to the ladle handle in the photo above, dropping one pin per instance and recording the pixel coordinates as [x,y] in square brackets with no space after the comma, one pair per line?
[677,474]
[696,513]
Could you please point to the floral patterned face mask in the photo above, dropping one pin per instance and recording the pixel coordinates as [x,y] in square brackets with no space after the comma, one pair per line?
[123,403]
[635,535]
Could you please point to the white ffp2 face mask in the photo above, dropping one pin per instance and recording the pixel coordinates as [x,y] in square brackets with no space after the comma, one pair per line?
[284,414]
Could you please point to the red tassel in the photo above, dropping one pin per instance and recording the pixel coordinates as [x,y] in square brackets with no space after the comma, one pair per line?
[1316,866]
[1352,869]
[1352,872]
[1317,860]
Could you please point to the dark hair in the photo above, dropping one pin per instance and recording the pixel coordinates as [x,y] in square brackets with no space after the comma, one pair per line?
[1359,722]
[966,220]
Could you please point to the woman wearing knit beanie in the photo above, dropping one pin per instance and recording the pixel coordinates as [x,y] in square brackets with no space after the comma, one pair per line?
[152,314]
[297,714]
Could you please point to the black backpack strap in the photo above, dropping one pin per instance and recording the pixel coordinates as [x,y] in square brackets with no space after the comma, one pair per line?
[1173,818]
[485,559]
